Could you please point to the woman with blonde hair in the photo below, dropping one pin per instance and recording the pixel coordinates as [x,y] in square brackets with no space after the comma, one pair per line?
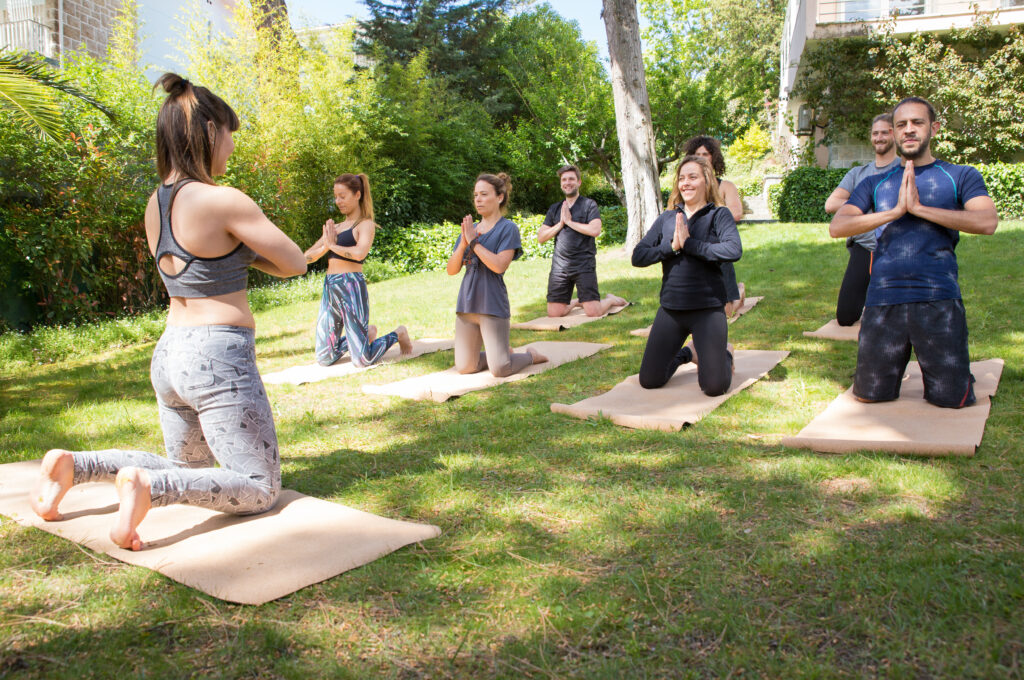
[343,324]
[213,408]
[691,240]
[482,313]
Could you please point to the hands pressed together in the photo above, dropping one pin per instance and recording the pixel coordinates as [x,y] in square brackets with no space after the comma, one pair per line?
[909,200]
[468,234]
[682,232]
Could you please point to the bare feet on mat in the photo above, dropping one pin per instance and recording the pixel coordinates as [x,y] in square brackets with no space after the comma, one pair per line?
[133,489]
[538,358]
[733,308]
[404,341]
[371,334]
[56,476]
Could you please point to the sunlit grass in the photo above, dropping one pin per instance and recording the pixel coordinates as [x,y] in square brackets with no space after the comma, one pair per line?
[569,548]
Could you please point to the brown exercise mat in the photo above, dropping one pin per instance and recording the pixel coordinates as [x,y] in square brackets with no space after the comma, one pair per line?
[748,304]
[679,402]
[574,318]
[833,331]
[907,425]
[298,375]
[443,385]
[249,560]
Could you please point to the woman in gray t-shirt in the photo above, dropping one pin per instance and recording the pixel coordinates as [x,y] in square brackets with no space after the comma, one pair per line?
[482,312]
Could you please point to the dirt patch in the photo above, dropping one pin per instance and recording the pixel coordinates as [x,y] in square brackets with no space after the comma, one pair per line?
[846,485]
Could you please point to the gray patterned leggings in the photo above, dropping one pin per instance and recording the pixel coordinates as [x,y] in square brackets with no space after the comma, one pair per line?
[213,409]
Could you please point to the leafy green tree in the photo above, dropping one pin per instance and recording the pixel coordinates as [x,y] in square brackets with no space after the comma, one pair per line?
[724,51]
[565,102]
[458,37]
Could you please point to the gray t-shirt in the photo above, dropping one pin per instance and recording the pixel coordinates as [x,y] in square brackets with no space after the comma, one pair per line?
[850,181]
[482,291]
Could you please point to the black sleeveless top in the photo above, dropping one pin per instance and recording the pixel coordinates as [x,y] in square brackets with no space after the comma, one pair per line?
[346,239]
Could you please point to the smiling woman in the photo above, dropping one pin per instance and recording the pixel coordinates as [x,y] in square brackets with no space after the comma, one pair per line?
[691,240]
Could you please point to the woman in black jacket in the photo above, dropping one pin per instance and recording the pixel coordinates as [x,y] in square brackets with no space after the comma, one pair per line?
[691,240]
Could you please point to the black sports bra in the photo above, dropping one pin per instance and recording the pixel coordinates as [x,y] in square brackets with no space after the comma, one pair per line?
[346,239]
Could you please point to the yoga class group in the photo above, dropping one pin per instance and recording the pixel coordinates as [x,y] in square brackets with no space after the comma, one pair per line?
[901,216]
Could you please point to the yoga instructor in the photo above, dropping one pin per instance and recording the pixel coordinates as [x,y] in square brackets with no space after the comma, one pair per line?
[691,240]
[216,420]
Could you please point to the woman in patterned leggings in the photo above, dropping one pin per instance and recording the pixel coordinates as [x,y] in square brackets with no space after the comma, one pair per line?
[343,324]
[213,408]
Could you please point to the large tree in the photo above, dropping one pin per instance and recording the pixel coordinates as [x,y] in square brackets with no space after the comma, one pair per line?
[458,37]
[632,117]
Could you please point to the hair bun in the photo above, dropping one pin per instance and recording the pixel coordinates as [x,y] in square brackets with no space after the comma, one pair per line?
[173,84]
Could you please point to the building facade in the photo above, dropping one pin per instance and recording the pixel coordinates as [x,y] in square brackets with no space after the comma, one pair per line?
[813,21]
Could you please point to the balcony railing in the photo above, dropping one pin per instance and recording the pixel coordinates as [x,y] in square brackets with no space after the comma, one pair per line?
[28,35]
[838,11]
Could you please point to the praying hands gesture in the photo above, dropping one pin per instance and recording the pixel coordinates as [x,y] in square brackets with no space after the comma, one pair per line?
[682,233]
[566,216]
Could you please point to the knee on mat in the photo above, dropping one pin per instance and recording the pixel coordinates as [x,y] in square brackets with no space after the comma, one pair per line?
[847,319]
[716,388]
[326,360]
[501,371]
[265,499]
[466,369]
[649,382]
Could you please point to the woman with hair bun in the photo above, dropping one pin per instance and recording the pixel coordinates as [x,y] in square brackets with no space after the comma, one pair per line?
[482,312]
[343,324]
[216,420]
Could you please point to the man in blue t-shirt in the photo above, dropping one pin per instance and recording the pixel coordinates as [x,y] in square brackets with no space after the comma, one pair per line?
[913,300]
[575,224]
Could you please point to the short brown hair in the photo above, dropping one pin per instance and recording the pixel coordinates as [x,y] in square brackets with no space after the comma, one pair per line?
[568,168]
[182,138]
[884,117]
[502,185]
[917,100]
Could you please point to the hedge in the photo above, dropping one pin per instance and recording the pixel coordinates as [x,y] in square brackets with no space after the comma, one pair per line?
[800,197]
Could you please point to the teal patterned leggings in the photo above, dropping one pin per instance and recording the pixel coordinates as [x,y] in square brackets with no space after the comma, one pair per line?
[344,323]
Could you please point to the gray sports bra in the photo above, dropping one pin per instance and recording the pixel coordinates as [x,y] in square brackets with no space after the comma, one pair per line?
[201,276]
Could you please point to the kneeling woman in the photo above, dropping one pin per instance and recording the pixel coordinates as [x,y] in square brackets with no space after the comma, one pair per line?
[482,312]
[216,420]
[691,241]
[344,321]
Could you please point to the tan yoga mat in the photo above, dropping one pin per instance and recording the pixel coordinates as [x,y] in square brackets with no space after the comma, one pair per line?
[833,331]
[748,304]
[249,560]
[907,425]
[676,404]
[298,375]
[444,385]
[576,317]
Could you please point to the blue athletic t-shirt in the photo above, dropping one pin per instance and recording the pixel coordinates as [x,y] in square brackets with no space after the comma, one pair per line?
[914,259]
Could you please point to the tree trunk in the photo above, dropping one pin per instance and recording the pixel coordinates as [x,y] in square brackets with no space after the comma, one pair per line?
[632,118]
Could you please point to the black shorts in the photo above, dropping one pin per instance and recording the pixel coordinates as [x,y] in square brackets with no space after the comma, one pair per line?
[560,286]
[937,332]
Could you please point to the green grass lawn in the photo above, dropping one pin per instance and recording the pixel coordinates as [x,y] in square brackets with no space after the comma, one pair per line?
[569,548]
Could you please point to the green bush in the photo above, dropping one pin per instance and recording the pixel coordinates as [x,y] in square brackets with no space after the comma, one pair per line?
[803,194]
[752,187]
[614,223]
[774,195]
[604,197]
[800,197]
[1005,184]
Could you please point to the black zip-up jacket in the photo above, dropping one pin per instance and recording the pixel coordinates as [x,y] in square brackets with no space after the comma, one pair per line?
[691,278]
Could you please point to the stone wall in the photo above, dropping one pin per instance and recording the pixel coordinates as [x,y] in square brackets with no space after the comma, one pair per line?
[87,23]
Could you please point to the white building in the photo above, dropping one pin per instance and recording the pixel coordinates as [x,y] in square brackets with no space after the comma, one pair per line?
[811,21]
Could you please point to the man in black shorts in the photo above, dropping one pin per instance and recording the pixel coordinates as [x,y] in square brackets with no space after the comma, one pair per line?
[575,223]
[917,212]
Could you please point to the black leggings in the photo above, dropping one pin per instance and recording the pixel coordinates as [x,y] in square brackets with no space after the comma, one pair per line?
[854,288]
[663,355]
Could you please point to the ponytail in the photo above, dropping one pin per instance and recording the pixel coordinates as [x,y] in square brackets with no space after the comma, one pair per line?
[359,183]
[182,134]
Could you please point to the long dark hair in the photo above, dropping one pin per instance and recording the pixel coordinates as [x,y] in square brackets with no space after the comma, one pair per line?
[714,148]
[182,137]
[358,183]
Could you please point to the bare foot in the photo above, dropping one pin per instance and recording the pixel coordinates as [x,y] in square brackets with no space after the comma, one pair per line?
[616,300]
[538,358]
[404,341]
[733,308]
[133,489]
[371,334]
[56,476]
